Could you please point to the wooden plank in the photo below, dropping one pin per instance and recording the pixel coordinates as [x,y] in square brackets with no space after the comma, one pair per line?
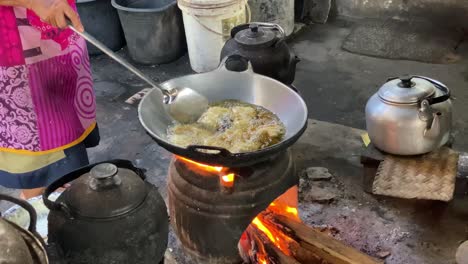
[324,246]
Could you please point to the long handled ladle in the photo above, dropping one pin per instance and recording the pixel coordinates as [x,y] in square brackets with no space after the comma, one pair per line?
[185,105]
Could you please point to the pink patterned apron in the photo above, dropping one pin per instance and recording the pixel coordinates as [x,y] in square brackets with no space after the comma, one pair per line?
[47,101]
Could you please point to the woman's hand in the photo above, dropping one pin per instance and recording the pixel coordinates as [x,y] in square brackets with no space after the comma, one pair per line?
[56,13]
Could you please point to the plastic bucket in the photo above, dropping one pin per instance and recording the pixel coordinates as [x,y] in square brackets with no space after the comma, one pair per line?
[208,25]
[153,30]
[100,19]
[279,12]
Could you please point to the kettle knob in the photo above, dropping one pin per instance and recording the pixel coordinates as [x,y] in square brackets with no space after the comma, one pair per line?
[253,27]
[104,176]
[406,81]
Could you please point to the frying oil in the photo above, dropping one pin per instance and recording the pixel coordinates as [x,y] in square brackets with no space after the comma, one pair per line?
[234,125]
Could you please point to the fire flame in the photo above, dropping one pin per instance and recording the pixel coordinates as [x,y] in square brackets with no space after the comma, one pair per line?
[285,210]
[203,166]
[262,259]
[226,180]
[256,222]
[285,205]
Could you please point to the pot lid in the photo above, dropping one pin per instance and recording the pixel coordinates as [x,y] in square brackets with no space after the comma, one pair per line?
[106,191]
[256,36]
[407,90]
[13,248]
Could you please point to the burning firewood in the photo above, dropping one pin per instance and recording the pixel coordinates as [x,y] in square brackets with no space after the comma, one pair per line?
[277,239]
[266,252]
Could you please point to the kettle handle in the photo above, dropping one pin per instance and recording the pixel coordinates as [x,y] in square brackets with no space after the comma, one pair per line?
[75,175]
[241,27]
[26,206]
[442,87]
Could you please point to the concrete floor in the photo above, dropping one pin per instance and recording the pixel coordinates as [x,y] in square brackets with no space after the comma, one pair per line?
[335,85]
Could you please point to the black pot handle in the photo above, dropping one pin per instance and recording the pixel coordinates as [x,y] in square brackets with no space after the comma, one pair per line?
[200,149]
[273,26]
[442,87]
[78,173]
[26,206]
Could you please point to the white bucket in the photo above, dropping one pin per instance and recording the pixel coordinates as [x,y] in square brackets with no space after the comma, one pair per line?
[208,25]
[279,12]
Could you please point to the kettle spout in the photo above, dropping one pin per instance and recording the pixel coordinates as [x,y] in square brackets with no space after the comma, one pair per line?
[433,129]
[296,60]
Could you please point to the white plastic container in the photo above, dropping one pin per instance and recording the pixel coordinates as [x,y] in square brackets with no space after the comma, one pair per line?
[279,12]
[208,25]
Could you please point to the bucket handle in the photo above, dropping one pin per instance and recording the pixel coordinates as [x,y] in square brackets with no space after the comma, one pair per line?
[248,18]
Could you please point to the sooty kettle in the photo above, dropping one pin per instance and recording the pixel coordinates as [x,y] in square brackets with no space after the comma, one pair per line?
[264,45]
[109,214]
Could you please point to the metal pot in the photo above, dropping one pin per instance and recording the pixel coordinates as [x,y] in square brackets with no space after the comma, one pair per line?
[101,20]
[233,80]
[108,215]
[265,49]
[410,115]
[17,245]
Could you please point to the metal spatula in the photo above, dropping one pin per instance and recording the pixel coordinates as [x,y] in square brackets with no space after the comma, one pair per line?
[185,105]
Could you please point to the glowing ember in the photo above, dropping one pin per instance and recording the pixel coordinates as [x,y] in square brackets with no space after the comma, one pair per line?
[228,180]
[285,205]
[285,210]
[203,166]
[262,259]
[292,211]
[277,238]
[256,222]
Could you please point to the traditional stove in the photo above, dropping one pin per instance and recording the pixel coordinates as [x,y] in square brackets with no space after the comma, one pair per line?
[211,207]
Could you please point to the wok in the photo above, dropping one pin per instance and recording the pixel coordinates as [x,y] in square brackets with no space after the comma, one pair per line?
[233,80]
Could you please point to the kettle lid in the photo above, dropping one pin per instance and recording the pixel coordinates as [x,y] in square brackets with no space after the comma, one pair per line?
[106,191]
[256,36]
[406,90]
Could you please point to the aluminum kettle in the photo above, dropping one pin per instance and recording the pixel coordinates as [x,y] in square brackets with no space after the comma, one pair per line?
[410,115]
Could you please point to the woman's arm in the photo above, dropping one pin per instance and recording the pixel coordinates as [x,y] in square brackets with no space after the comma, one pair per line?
[22,3]
[53,12]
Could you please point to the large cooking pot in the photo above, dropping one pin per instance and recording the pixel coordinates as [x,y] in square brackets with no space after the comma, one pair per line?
[17,245]
[410,115]
[108,215]
[267,50]
[233,80]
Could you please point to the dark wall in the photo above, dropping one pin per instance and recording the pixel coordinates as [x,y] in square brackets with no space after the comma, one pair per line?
[452,12]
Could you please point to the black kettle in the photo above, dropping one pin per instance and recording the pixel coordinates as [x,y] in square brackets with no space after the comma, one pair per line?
[20,246]
[267,50]
[108,215]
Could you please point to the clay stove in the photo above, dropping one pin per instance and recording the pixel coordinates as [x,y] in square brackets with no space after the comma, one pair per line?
[211,207]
